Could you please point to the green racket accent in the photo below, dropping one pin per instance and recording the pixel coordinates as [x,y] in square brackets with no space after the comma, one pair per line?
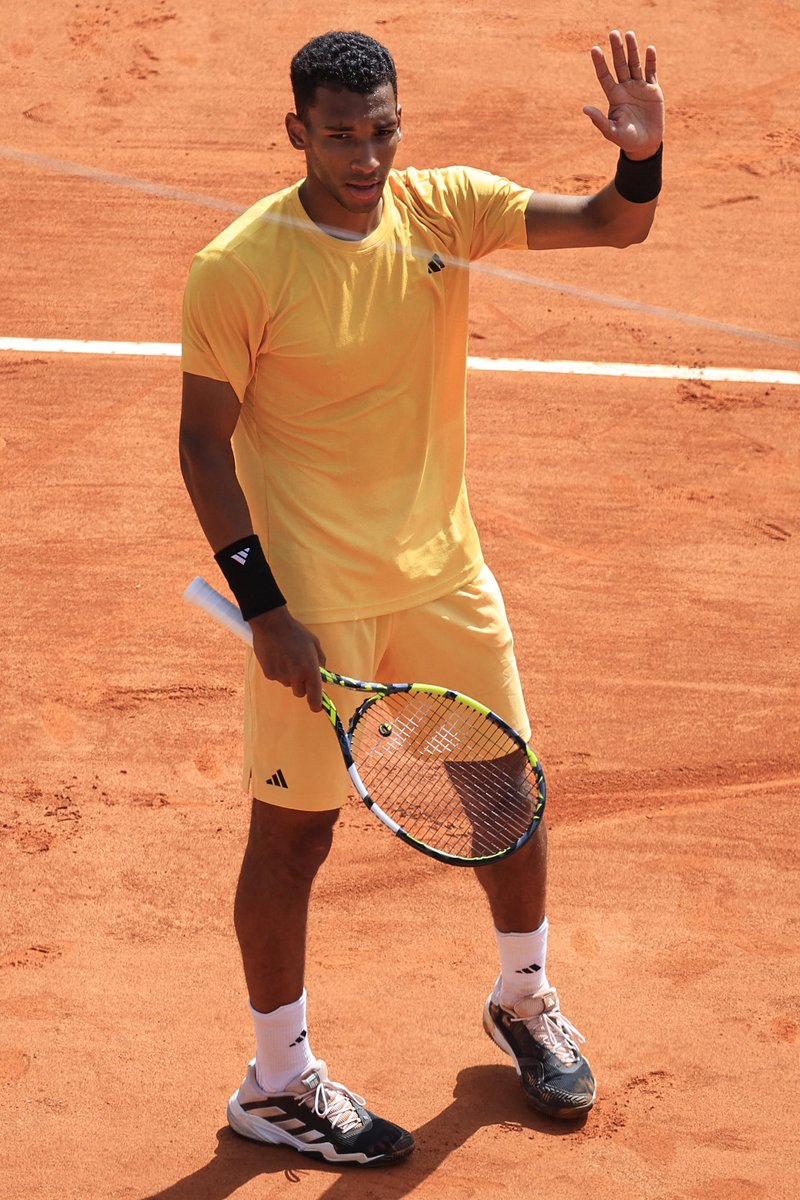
[446,774]
[452,778]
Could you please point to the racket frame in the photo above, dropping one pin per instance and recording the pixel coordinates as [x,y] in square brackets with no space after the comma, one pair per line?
[204,596]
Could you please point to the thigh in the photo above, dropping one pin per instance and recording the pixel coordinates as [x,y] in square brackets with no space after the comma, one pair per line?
[291,755]
[461,641]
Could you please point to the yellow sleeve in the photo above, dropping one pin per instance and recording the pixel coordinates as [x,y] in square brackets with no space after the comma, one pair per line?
[224,320]
[489,209]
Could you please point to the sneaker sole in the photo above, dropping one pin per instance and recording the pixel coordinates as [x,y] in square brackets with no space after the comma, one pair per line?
[572,1113]
[259,1130]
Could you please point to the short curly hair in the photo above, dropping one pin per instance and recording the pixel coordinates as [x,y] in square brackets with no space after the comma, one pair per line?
[351,62]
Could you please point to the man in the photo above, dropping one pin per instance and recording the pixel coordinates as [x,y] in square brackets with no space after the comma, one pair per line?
[325,344]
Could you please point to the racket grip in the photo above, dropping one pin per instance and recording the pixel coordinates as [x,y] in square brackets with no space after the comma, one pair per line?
[203,595]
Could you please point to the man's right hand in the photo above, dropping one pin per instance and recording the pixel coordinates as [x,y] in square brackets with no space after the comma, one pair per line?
[289,653]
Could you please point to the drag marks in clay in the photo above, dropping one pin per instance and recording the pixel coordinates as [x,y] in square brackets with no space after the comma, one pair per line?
[42,821]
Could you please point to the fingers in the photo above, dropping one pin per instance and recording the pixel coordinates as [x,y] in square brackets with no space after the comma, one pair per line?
[650,64]
[305,679]
[618,55]
[320,652]
[290,654]
[302,683]
[314,687]
[604,77]
[598,119]
[313,692]
[626,62]
[306,683]
[310,685]
[632,47]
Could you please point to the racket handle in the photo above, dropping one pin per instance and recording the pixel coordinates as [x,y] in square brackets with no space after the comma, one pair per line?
[204,596]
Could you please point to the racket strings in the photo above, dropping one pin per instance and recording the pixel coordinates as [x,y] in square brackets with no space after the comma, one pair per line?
[446,773]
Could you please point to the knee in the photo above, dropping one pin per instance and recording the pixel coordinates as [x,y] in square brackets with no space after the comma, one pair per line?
[287,844]
[304,852]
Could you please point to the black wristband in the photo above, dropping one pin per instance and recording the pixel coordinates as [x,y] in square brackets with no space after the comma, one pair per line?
[639,181]
[247,571]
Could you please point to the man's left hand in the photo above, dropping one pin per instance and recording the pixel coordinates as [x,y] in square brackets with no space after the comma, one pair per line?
[635,120]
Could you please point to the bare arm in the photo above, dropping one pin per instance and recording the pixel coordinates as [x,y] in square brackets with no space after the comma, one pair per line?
[286,650]
[634,123]
[209,415]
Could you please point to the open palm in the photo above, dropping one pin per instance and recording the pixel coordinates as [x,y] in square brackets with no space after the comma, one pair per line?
[635,118]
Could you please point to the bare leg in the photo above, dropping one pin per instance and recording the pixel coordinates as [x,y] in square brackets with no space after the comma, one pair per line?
[284,851]
[517,887]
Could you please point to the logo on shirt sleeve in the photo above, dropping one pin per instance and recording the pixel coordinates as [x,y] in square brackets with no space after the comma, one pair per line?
[436,265]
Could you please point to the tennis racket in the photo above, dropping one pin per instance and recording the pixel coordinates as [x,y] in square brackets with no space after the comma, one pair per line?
[443,772]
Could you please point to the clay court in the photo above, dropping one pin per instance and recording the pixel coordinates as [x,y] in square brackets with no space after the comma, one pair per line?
[645,532]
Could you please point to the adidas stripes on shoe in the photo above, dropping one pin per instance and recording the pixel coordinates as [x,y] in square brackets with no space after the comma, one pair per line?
[317,1117]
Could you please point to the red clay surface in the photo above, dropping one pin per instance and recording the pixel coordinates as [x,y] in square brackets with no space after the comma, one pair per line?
[647,538]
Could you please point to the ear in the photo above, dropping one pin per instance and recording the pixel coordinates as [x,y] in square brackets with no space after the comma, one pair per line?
[399,121]
[296,131]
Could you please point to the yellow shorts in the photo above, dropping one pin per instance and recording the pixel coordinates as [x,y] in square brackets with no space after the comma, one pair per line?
[462,641]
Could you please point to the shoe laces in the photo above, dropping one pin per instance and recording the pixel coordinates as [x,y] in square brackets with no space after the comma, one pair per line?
[334,1103]
[551,1028]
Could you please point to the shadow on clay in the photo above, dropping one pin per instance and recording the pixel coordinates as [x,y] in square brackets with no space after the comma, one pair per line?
[484,1097]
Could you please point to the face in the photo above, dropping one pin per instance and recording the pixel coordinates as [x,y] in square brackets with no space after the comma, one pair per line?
[349,141]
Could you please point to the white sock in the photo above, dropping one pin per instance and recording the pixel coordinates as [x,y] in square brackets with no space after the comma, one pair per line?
[282,1045]
[523,962]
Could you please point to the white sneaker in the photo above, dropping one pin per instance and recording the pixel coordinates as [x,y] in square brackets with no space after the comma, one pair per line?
[317,1117]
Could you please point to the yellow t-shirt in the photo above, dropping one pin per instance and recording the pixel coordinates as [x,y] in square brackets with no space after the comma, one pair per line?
[350,361]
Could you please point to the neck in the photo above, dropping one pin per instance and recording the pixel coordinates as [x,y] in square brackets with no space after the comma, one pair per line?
[336,220]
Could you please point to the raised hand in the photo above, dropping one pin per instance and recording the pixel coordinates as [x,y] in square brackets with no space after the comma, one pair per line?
[635,120]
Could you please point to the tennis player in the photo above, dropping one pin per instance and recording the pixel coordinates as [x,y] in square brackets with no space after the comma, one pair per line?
[322,443]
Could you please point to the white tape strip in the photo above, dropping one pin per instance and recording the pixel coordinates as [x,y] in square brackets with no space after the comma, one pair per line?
[202,594]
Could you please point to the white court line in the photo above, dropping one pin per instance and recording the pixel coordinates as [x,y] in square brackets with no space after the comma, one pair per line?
[530,366]
[152,188]
[74,346]
[635,370]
